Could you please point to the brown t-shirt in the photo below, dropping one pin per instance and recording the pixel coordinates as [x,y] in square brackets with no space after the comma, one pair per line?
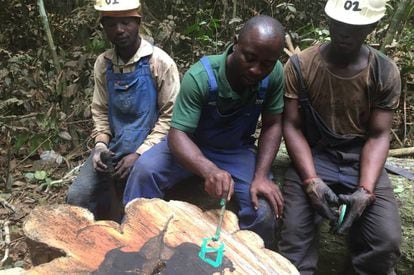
[345,103]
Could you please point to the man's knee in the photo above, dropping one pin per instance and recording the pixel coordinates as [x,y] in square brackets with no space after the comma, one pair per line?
[79,196]
[382,248]
[386,231]
[72,197]
[262,222]
[143,168]
[267,214]
[143,181]
[391,242]
[84,186]
[85,190]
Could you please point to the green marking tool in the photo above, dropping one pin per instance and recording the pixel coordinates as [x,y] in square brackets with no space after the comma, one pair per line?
[342,212]
[206,247]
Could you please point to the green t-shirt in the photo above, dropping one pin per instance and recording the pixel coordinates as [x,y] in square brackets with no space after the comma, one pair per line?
[194,93]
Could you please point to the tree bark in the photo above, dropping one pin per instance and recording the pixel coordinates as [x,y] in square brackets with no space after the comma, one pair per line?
[46,27]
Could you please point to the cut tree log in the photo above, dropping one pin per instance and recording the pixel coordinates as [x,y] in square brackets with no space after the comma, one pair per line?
[401,152]
[156,237]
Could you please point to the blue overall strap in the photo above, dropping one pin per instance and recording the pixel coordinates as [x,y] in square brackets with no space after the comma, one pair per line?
[108,63]
[144,60]
[264,84]
[212,83]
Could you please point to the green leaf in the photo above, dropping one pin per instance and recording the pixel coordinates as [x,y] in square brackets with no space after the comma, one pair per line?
[399,189]
[40,175]
[191,29]
[21,139]
[65,135]
[291,8]
[29,176]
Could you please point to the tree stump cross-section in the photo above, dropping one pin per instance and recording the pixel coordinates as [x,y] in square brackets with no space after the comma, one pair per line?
[156,237]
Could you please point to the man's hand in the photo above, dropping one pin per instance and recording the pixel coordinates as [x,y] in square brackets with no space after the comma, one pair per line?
[219,184]
[356,202]
[320,195]
[97,160]
[268,189]
[123,167]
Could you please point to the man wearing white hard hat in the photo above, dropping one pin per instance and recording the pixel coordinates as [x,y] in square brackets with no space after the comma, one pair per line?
[339,103]
[136,84]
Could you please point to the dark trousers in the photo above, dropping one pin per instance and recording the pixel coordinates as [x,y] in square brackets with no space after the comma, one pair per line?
[97,192]
[373,240]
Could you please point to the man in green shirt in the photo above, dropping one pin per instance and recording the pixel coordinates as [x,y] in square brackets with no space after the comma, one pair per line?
[214,120]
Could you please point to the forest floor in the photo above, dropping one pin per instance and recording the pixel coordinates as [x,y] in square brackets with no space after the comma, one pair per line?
[14,207]
[26,195]
[33,181]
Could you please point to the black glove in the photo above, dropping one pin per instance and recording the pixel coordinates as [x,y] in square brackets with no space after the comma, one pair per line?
[320,195]
[101,154]
[107,159]
[356,204]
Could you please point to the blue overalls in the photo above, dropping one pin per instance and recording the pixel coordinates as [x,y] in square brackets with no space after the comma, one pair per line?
[132,107]
[132,114]
[227,141]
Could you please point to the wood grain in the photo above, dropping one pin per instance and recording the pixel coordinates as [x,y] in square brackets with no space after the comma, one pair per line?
[156,237]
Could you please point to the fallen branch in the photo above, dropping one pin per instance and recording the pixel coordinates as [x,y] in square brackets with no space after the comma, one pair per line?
[14,128]
[6,242]
[68,177]
[401,152]
[397,138]
[8,174]
[31,153]
[7,205]
[19,117]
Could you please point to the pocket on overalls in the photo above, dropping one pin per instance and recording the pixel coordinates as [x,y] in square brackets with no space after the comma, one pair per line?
[126,97]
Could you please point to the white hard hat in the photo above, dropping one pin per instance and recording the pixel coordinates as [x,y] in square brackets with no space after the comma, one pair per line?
[356,12]
[117,5]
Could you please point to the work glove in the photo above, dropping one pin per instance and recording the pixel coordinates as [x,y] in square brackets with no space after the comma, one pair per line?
[100,157]
[356,204]
[321,196]
[108,160]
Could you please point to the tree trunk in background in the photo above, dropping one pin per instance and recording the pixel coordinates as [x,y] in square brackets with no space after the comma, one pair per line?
[401,14]
[49,36]
[234,9]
